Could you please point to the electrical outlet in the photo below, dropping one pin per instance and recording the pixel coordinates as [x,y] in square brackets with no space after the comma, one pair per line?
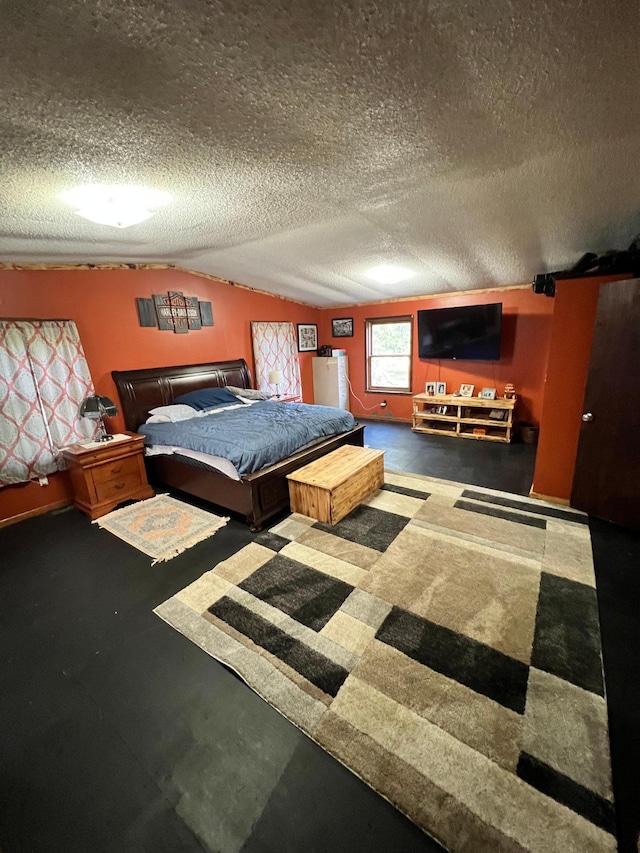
[383,404]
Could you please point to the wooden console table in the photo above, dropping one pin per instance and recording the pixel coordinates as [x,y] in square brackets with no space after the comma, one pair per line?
[464,417]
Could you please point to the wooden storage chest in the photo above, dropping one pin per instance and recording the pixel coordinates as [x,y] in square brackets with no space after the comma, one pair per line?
[329,488]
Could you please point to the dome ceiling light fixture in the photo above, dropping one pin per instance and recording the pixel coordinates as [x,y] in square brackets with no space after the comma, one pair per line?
[389,274]
[118,205]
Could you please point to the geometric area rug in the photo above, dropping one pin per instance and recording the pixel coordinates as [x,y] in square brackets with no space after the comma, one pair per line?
[442,641]
[161,527]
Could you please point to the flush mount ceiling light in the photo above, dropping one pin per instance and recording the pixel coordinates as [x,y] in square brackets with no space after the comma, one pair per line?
[119,205]
[389,274]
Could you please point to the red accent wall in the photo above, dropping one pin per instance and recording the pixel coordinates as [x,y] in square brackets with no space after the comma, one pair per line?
[576,303]
[103,304]
[526,325]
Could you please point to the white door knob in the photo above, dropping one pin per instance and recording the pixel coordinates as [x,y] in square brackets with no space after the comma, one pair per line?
[587,417]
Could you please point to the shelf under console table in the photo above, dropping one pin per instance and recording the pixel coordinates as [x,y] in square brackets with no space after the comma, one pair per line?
[464,417]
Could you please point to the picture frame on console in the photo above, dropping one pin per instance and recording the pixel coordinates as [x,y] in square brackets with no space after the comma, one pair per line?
[488,394]
[441,389]
[466,390]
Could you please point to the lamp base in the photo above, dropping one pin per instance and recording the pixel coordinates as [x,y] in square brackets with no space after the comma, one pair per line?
[104,435]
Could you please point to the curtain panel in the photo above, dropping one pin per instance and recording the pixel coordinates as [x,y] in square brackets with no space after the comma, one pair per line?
[44,377]
[275,348]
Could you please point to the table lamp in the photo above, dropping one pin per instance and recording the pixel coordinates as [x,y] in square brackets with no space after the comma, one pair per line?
[275,378]
[97,408]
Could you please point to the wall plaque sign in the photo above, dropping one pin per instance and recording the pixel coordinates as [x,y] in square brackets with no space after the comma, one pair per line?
[174,312]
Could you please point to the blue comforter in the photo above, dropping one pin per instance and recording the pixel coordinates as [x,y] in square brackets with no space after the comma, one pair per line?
[254,436]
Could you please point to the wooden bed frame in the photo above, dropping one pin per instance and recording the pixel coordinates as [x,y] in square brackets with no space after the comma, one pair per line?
[258,496]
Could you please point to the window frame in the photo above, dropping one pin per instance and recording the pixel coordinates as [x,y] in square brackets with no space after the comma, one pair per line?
[369,325]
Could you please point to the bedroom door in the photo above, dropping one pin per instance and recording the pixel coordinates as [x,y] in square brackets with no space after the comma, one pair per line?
[606,482]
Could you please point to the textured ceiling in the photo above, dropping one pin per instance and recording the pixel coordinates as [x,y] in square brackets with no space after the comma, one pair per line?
[475,143]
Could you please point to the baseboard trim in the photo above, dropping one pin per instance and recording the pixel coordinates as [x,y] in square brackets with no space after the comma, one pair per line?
[32,513]
[382,419]
[550,499]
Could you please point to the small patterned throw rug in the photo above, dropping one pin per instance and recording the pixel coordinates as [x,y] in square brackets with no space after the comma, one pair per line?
[161,527]
[442,641]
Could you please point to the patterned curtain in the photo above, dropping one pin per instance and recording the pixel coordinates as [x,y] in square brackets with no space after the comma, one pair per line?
[275,348]
[43,379]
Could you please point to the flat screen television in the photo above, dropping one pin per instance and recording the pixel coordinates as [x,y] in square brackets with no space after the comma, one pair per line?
[470,332]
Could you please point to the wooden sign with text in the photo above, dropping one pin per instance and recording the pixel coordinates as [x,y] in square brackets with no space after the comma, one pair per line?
[174,312]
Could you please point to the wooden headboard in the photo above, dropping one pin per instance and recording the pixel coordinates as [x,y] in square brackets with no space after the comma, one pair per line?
[142,390]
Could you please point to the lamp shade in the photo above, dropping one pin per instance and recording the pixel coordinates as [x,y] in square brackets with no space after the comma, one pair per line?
[275,377]
[97,407]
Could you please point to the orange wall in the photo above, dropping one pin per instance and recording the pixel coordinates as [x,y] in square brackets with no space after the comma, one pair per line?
[540,336]
[576,303]
[526,328]
[103,304]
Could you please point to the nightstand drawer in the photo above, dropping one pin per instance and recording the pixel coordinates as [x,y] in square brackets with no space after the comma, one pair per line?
[116,469]
[118,487]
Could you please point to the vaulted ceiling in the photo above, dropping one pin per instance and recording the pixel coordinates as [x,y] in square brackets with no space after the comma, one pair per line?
[475,143]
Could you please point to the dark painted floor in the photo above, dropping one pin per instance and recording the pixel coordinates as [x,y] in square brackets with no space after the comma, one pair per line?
[118,734]
[508,467]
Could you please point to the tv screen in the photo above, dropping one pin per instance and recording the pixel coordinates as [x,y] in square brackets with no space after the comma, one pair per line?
[469,332]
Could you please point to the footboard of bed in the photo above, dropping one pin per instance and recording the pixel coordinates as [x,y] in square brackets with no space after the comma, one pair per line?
[270,487]
[257,497]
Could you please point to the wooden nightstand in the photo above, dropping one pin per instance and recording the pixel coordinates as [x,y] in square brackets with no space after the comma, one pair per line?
[104,475]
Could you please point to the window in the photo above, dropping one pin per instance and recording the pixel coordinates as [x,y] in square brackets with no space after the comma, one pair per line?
[389,342]
[43,379]
[275,348]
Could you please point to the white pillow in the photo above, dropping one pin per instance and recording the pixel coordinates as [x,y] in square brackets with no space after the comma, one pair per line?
[171,414]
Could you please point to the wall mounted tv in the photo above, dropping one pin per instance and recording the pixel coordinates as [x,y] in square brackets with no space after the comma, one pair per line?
[470,332]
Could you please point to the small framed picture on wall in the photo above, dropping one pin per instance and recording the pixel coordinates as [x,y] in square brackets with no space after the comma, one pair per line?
[307,337]
[342,328]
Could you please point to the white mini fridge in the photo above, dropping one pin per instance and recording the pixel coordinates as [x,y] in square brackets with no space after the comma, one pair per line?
[330,385]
